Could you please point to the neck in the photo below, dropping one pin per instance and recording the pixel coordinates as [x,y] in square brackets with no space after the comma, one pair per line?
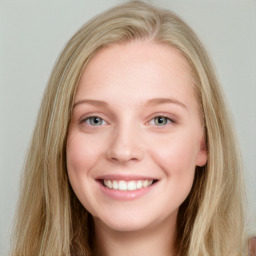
[159,240]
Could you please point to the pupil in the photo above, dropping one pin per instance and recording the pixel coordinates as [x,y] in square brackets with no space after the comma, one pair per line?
[96,120]
[160,120]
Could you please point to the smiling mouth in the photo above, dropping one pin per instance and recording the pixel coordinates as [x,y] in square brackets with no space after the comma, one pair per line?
[127,185]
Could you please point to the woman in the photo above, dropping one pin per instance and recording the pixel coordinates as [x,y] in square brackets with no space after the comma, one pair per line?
[133,151]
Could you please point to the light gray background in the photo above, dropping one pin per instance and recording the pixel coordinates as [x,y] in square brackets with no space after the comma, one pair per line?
[34,32]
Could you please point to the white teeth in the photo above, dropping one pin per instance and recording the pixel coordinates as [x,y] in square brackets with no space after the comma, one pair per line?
[122,185]
[127,185]
[145,183]
[131,185]
[115,184]
[109,184]
[139,184]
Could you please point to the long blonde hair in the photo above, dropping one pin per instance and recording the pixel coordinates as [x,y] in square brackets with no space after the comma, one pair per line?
[51,221]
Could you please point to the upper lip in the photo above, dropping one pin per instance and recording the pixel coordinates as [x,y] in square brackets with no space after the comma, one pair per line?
[125,177]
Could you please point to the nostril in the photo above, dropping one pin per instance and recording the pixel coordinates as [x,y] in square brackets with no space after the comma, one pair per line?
[125,151]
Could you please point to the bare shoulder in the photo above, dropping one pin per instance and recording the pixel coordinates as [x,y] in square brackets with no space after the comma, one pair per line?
[252,246]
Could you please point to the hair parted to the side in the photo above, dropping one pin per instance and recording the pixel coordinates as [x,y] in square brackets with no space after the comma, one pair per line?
[51,221]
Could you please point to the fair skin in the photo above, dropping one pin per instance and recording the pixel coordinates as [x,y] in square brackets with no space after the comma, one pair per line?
[135,122]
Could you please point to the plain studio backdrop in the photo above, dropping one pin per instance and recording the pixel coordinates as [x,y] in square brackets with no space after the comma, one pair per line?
[32,34]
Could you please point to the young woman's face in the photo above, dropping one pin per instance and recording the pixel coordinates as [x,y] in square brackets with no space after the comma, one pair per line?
[135,136]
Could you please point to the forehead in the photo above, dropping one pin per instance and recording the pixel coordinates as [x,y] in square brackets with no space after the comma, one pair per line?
[136,69]
[136,52]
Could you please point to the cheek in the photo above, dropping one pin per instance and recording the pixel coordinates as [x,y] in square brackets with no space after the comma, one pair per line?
[81,156]
[76,157]
[176,153]
[82,152]
[76,162]
[176,156]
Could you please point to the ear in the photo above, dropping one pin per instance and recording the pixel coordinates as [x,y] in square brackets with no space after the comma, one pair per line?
[202,154]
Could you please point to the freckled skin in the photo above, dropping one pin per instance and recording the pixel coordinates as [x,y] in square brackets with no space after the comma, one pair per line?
[126,77]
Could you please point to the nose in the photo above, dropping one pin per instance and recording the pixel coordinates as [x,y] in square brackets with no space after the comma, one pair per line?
[125,146]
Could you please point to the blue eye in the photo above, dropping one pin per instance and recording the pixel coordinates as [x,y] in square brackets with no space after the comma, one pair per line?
[94,121]
[161,120]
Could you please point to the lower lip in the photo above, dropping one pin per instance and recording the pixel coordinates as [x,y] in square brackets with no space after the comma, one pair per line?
[125,194]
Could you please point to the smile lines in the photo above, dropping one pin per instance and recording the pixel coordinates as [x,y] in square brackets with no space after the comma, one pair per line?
[127,185]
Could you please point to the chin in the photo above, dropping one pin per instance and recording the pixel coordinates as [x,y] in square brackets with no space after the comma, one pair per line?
[123,223]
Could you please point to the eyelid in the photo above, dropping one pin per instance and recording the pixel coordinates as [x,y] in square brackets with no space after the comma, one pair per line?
[172,120]
[165,115]
[153,121]
[90,115]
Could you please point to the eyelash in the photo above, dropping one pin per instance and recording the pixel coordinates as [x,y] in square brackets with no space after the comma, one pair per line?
[88,120]
[166,120]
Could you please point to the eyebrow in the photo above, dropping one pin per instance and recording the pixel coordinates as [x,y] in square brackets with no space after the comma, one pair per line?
[158,101]
[155,101]
[91,102]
